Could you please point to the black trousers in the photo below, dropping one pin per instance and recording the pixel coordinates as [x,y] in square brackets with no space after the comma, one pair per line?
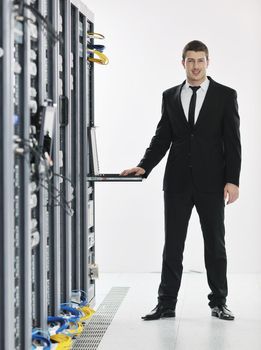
[178,208]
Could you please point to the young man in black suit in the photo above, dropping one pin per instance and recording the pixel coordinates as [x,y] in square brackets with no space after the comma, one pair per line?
[200,125]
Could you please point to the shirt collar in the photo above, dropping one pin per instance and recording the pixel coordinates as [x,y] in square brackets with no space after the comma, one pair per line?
[203,86]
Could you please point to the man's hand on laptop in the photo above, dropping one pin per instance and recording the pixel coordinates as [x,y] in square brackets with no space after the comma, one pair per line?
[137,171]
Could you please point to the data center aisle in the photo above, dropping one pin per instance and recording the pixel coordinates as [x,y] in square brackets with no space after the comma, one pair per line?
[193,327]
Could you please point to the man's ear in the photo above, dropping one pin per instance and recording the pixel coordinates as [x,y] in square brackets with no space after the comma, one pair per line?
[183,63]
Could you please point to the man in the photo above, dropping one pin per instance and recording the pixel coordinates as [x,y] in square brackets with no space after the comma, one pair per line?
[200,125]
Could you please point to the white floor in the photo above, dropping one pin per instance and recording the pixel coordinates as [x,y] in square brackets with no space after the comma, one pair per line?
[193,328]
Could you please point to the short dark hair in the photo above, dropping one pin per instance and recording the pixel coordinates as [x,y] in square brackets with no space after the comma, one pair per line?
[195,45]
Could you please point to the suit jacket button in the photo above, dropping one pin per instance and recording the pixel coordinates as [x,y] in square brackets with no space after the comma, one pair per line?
[192,135]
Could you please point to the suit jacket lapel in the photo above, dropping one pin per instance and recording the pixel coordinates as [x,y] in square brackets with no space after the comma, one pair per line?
[207,101]
[179,104]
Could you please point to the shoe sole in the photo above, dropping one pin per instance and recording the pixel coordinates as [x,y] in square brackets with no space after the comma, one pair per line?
[164,315]
[216,314]
[170,314]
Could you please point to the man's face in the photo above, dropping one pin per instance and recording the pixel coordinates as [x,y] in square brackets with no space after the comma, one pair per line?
[195,64]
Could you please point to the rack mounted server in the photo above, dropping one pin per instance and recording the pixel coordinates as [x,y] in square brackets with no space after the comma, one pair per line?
[47,248]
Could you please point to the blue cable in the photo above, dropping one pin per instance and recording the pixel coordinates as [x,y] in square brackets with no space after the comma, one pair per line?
[56,319]
[76,314]
[41,338]
[96,47]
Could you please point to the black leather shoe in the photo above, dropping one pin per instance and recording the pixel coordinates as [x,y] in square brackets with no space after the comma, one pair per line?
[222,312]
[160,311]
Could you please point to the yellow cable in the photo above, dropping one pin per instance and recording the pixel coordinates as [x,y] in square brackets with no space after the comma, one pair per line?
[84,317]
[103,59]
[74,329]
[95,36]
[64,341]
[87,311]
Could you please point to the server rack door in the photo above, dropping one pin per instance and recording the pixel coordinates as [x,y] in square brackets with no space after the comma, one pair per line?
[69,189]
[75,150]
[91,184]
[6,179]
[65,149]
[42,276]
[25,287]
[53,79]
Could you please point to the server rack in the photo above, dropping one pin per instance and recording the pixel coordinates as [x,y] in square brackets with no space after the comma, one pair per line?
[46,203]
[6,182]
[43,286]
[90,241]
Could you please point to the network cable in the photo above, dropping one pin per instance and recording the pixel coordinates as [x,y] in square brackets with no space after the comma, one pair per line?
[64,177]
[62,323]
[40,339]
[64,203]
[83,306]
[96,47]
[75,328]
[92,35]
[68,210]
[103,59]
[64,341]
[20,5]
[46,177]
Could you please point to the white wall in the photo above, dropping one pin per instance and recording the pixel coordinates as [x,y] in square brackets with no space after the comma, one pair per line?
[144,40]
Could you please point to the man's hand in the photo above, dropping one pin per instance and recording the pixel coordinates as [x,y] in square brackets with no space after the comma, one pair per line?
[232,192]
[136,171]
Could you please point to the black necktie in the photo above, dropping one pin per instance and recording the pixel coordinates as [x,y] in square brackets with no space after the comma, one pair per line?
[192,105]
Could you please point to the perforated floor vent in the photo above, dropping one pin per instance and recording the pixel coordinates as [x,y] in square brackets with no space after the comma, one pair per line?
[95,329]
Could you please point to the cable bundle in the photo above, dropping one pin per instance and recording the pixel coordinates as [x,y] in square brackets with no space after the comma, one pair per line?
[58,341]
[73,316]
[19,7]
[74,329]
[57,324]
[70,313]
[64,342]
[83,306]
[44,173]
[95,36]
[88,312]
[97,50]
[63,328]
[40,340]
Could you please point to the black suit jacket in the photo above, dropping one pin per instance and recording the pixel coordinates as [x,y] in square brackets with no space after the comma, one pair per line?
[211,150]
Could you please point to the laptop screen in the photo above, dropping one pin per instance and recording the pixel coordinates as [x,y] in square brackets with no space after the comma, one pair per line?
[94,152]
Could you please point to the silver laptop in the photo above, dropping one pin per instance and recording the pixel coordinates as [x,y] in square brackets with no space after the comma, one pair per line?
[95,174]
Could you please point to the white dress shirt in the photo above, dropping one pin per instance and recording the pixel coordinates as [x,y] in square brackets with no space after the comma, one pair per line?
[186,94]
